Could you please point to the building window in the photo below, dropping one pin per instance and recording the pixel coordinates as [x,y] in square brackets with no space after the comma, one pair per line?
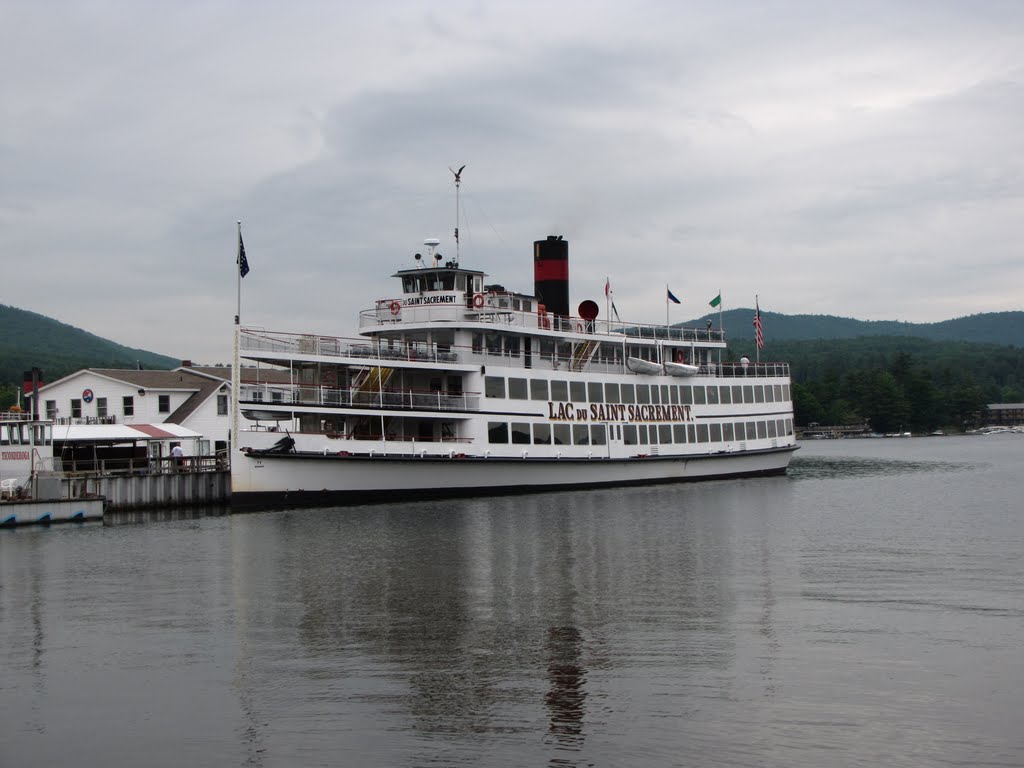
[128,405]
[76,409]
[51,409]
[165,404]
[222,405]
[101,407]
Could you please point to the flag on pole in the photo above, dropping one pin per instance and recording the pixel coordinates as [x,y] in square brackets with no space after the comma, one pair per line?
[671,296]
[607,288]
[758,330]
[243,263]
[717,300]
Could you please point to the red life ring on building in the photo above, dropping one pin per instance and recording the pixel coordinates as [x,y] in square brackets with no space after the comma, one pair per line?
[478,300]
[680,356]
[395,307]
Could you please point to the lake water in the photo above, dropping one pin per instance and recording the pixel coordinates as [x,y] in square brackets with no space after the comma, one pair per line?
[867,609]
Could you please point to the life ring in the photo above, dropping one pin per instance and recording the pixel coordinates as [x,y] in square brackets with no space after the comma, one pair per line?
[395,307]
[478,300]
[680,356]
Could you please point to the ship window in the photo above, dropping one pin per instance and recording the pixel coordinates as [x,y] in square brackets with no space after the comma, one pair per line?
[578,391]
[580,434]
[611,393]
[748,393]
[664,393]
[641,434]
[512,346]
[758,394]
[762,431]
[5,434]
[257,396]
[699,396]
[497,432]
[726,395]
[685,395]
[727,433]
[517,389]
[128,406]
[712,395]
[51,409]
[76,409]
[673,394]
[494,386]
[679,433]
[652,434]
[716,433]
[520,433]
[629,434]
[538,389]
[655,395]
[542,434]
[559,391]
[691,433]
[751,430]
[665,434]
[785,393]
[769,394]
[737,393]
[597,434]
[478,342]
[778,393]
[772,429]
[643,393]
[493,341]
[547,349]
[561,434]
[628,393]
[789,426]
[702,433]
[460,282]
[595,392]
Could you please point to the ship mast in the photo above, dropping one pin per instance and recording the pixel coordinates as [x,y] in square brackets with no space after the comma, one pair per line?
[458,183]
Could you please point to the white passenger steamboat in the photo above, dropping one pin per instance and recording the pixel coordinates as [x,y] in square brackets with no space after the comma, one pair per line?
[461,387]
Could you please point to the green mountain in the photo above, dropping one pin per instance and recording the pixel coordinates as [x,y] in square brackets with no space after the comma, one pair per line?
[31,340]
[1003,328]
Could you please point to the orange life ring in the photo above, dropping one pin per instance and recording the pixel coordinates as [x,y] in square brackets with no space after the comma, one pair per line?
[395,307]
[680,356]
[478,300]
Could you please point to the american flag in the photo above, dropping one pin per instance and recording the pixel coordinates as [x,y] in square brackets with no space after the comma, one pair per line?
[758,330]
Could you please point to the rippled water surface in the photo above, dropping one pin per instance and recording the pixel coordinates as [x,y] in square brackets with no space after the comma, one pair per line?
[865,610]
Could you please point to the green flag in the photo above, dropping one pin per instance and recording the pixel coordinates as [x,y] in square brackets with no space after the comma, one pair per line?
[716,301]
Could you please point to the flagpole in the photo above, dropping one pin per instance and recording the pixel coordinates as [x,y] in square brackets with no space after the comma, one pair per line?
[757,314]
[236,367]
[666,307]
[608,299]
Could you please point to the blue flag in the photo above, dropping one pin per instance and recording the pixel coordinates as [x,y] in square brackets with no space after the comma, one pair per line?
[672,298]
[243,263]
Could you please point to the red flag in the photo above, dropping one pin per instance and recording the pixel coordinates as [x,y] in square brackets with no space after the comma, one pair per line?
[607,287]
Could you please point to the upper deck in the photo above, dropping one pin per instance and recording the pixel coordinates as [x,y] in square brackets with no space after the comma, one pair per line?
[513,311]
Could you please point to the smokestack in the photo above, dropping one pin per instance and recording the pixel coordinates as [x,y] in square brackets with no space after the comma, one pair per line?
[551,274]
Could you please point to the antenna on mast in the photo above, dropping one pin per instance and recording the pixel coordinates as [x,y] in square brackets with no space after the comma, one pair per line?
[458,182]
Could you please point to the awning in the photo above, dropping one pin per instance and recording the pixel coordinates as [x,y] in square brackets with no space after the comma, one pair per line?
[121,433]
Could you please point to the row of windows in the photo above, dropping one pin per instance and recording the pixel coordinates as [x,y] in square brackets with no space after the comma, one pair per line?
[127,406]
[655,394]
[524,433]
[21,434]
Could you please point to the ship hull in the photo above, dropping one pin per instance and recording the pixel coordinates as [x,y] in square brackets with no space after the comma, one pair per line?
[291,480]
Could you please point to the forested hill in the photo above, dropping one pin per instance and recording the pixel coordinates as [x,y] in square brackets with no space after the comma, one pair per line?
[30,340]
[1002,328]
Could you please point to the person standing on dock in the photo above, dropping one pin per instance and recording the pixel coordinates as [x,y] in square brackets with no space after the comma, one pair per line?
[179,457]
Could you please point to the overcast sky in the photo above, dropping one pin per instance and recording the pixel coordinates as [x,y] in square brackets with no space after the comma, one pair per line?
[864,159]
